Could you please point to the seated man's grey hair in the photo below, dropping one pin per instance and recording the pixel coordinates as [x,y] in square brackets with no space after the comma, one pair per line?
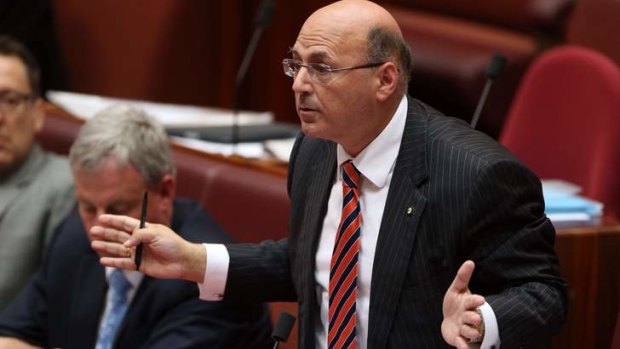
[130,136]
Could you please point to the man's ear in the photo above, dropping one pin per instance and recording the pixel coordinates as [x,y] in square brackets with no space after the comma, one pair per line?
[167,187]
[387,81]
[165,192]
[38,115]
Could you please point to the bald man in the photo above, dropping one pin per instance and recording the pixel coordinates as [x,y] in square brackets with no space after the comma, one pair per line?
[408,229]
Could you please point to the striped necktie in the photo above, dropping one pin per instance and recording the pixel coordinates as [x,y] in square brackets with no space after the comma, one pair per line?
[344,264]
[117,305]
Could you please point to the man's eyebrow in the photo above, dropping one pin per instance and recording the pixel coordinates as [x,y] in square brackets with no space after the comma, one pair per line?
[314,56]
[293,52]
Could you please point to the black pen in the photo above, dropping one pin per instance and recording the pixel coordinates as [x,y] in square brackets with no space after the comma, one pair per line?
[145,202]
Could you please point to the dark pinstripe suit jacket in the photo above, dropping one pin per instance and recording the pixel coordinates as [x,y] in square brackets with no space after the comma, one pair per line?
[471,200]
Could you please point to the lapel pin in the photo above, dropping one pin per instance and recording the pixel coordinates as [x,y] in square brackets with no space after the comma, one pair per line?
[410,211]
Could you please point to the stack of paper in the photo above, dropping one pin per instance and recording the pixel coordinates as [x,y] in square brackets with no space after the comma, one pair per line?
[172,116]
[563,202]
[177,118]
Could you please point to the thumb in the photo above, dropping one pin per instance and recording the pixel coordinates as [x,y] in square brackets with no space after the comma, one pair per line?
[139,236]
[461,281]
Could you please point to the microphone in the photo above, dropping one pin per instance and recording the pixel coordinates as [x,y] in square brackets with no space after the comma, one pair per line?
[498,61]
[283,328]
[262,20]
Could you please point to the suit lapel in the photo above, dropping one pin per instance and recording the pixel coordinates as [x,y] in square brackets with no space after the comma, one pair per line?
[403,210]
[87,306]
[13,185]
[318,194]
[319,185]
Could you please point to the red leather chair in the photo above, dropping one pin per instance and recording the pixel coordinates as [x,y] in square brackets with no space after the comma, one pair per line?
[565,121]
[615,344]
[453,41]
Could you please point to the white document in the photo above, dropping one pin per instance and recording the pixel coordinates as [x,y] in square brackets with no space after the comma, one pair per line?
[170,115]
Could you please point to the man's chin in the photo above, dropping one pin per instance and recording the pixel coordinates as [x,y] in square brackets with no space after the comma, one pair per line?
[312,130]
[6,163]
[307,128]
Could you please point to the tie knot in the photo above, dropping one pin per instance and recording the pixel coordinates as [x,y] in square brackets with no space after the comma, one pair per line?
[350,175]
[119,282]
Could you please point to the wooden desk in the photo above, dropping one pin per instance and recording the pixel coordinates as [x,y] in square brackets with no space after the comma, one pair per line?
[590,261]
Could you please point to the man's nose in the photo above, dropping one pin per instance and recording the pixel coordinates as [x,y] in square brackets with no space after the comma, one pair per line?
[302,82]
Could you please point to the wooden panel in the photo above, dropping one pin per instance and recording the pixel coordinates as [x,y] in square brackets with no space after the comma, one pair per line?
[590,264]
[592,24]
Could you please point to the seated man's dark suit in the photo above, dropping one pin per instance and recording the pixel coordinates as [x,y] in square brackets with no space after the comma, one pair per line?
[62,305]
[455,194]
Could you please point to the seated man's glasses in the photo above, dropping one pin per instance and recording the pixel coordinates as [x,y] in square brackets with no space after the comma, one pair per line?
[13,102]
[319,72]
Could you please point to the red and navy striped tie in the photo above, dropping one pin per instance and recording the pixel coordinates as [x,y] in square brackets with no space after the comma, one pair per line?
[344,264]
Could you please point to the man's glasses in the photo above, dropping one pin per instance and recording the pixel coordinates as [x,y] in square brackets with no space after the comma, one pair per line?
[319,72]
[13,102]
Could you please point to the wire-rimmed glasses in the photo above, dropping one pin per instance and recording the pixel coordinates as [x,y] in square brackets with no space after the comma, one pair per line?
[319,72]
[13,102]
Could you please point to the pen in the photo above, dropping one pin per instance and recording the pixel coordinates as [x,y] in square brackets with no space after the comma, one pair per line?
[145,201]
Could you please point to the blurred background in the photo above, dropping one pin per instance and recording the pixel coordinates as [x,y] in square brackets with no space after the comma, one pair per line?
[188,52]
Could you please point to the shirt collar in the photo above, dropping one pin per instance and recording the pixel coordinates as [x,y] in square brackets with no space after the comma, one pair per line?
[134,277]
[378,158]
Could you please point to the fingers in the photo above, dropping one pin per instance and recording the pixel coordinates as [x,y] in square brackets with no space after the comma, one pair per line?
[469,333]
[461,281]
[461,343]
[469,329]
[108,234]
[125,223]
[145,235]
[112,249]
[120,263]
[473,301]
[111,232]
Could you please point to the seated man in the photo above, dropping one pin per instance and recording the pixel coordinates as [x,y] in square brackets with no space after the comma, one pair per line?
[36,190]
[74,302]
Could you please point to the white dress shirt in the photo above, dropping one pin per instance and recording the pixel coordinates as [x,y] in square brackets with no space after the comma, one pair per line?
[376,165]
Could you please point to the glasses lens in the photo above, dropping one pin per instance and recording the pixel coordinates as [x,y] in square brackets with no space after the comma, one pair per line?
[13,102]
[289,67]
[318,72]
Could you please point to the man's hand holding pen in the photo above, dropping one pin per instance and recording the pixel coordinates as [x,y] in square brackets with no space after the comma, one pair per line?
[165,254]
[145,204]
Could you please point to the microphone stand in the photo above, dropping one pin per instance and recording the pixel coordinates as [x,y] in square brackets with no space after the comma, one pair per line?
[262,20]
[495,67]
[481,101]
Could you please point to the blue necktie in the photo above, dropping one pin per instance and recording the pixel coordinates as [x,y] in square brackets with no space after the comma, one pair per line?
[117,305]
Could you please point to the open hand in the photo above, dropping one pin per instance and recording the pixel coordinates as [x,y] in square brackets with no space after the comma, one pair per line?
[460,317]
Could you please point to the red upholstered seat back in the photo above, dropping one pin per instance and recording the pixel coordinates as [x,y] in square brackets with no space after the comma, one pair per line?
[251,204]
[565,121]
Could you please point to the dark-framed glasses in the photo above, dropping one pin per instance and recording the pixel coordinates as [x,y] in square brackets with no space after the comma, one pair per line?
[13,102]
[319,72]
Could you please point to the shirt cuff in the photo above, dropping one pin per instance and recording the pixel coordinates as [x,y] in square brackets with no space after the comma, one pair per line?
[491,332]
[216,272]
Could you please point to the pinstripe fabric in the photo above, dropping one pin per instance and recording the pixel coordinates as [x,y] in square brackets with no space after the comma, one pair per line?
[343,273]
[469,199]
